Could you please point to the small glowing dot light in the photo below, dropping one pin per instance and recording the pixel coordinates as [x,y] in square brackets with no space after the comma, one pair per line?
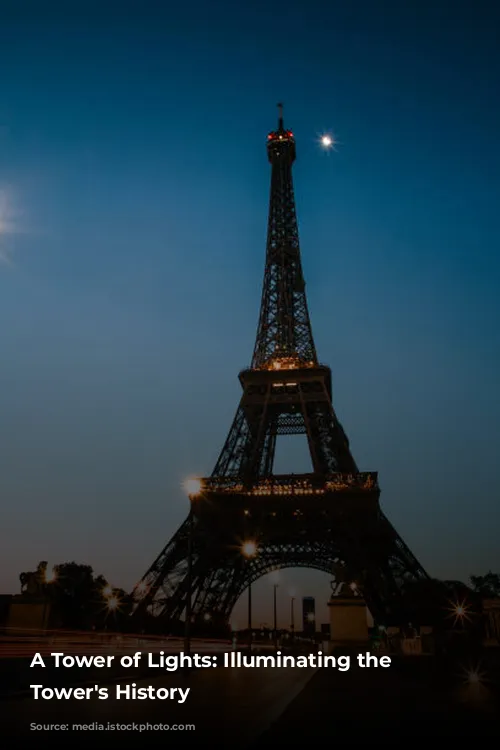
[113,603]
[326,141]
[311,617]
[107,591]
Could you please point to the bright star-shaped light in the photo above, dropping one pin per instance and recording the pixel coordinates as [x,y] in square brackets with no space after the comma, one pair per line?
[474,676]
[327,141]
[460,611]
[249,549]
[113,603]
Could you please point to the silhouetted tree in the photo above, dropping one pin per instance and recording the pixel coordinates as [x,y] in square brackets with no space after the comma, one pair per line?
[443,604]
[82,600]
[487,585]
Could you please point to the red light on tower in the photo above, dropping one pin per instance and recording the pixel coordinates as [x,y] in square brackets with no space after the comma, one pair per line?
[290,134]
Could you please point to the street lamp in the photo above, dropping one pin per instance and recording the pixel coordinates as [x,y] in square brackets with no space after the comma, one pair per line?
[51,576]
[460,611]
[48,578]
[113,603]
[275,586]
[193,488]
[474,677]
[311,618]
[249,550]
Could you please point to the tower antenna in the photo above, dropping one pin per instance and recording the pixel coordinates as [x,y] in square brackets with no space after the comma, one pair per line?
[280,119]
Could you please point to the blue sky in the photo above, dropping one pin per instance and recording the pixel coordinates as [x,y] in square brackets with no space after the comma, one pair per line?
[133,206]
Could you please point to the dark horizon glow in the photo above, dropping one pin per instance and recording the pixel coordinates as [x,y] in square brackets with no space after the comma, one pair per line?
[133,205]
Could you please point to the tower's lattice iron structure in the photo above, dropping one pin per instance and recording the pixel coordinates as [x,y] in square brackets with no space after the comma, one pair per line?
[328,519]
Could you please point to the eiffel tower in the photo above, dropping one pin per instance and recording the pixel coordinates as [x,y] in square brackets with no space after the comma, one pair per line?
[245,521]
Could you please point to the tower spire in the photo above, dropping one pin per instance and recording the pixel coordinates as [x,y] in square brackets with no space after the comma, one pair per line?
[284,330]
[280,116]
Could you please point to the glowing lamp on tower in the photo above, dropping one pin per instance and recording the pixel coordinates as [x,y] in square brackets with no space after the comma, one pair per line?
[192,486]
[249,549]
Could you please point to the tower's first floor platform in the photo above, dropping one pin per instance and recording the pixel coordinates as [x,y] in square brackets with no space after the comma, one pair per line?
[299,497]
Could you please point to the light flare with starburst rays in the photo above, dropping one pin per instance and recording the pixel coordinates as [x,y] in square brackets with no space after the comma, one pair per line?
[460,611]
[328,141]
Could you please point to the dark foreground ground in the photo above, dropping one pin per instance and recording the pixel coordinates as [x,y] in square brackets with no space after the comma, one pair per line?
[417,699]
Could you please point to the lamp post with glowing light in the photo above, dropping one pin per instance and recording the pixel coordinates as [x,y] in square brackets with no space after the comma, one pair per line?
[460,611]
[112,604]
[49,577]
[112,601]
[312,619]
[275,587]
[249,550]
[193,488]
[107,591]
